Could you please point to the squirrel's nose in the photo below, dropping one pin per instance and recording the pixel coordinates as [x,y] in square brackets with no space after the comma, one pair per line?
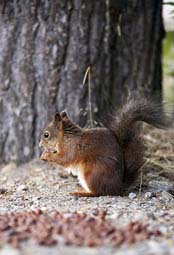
[40,145]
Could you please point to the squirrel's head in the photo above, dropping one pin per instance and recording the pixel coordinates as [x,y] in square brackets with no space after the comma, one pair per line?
[53,135]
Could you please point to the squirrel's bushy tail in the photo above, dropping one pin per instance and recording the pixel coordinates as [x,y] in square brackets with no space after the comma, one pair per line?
[124,125]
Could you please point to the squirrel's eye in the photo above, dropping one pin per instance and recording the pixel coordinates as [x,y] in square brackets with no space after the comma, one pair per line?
[46,134]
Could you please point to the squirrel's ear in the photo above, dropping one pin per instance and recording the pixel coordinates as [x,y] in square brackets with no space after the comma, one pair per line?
[64,115]
[57,117]
[58,121]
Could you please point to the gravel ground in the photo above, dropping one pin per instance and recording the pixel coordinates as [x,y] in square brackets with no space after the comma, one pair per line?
[47,186]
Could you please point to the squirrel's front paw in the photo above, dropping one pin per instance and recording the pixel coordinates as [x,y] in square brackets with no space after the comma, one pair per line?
[45,156]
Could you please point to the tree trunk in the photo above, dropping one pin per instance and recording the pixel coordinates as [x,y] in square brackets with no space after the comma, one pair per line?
[137,51]
[45,49]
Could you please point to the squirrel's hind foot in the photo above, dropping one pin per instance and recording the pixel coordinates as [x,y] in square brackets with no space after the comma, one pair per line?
[83,193]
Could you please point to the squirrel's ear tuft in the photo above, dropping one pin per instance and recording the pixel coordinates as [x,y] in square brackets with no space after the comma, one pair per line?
[58,121]
[63,115]
[57,117]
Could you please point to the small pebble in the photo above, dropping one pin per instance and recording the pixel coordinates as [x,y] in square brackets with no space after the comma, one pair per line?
[43,208]
[166,195]
[22,188]
[36,199]
[3,191]
[148,195]
[132,195]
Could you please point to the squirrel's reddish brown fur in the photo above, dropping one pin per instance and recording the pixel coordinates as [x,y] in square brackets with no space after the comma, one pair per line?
[105,160]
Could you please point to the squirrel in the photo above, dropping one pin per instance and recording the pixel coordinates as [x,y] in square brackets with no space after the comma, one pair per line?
[106,160]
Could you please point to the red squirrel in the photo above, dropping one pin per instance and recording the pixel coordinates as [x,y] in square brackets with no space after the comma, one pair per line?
[106,160]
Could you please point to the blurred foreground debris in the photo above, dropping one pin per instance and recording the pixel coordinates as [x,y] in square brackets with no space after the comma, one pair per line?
[79,229]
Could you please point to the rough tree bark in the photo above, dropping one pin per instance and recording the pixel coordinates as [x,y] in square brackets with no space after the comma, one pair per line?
[45,48]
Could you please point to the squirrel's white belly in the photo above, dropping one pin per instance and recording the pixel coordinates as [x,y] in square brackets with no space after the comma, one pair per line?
[79,172]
